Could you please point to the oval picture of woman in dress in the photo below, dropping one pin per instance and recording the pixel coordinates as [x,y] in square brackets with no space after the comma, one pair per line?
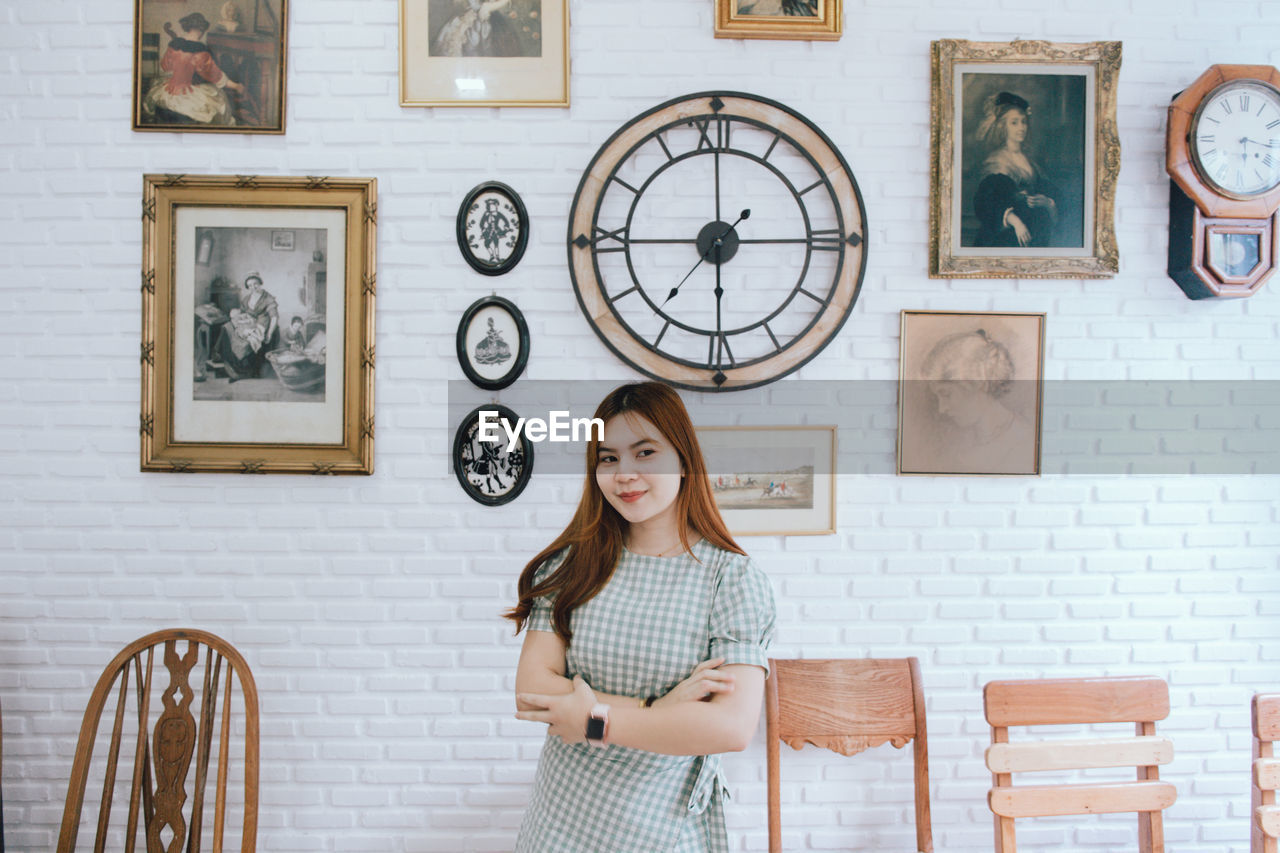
[493,343]
[1023,161]
[493,228]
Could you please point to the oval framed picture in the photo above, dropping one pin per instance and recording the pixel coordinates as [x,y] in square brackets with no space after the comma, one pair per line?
[493,228]
[493,342]
[488,472]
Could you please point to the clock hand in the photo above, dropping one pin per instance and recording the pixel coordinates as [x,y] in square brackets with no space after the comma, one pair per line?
[746,214]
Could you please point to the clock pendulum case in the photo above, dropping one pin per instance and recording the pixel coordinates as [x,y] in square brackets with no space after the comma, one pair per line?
[1223,159]
[717,241]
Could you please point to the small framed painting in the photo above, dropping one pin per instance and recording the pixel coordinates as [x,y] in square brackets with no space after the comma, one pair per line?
[211,66]
[484,53]
[489,471]
[970,393]
[492,343]
[770,481]
[812,20]
[255,360]
[1026,157]
[492,228]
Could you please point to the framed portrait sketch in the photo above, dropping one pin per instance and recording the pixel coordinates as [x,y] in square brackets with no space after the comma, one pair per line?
[493,228]
[205,65]
[492,343]
[770,481]
[491,472]
[484,53]
[813,20]
[257,360]
[1026,156]
[970,393]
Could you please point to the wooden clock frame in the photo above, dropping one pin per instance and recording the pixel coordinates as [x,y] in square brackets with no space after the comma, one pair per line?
[1198,213]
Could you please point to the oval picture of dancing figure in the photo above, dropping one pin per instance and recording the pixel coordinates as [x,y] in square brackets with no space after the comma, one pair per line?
[493,229]
[493,342]
[490,468]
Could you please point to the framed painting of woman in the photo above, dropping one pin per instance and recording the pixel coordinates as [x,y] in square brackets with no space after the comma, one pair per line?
[1026,156]
[811,20]
[210,66]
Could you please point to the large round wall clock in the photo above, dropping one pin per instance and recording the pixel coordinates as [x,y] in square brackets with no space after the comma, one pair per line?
[1223,158]
[717,241]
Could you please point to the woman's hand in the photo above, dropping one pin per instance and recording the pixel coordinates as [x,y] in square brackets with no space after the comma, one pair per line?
[1020,229]
[566,715]
[705,681]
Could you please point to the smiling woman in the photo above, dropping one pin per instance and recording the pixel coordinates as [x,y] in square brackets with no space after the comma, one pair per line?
[646,648]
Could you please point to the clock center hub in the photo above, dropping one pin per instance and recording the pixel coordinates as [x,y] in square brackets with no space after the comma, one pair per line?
[717,235]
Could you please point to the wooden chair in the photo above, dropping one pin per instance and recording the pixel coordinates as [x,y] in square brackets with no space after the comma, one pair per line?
[169,735]
[1266,772]
[1078,701]
[847,706]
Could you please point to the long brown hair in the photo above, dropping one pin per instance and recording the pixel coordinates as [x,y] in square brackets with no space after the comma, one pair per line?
[593,540]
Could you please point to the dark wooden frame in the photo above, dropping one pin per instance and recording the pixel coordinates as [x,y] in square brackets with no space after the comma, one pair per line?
[522,242]
[252,28]
[459,439]
[521,354]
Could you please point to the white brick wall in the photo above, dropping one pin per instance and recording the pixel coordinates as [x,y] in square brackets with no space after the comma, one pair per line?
[367,607]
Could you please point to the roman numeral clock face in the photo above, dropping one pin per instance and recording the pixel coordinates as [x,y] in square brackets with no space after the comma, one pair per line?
[1236,139]
[717,241]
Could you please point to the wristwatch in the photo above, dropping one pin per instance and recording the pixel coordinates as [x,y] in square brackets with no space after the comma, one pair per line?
[598,725]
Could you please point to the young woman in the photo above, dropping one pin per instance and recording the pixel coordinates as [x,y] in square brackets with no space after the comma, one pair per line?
[645,653]
[1014,202]
[191,90]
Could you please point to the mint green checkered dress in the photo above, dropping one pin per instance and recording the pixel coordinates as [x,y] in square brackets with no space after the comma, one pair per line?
[656,619]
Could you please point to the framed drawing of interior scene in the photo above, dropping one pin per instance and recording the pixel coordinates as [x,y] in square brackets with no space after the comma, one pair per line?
[258,348]
[1026,156]
[813,20]
[484,53]
[970,393]
[772,480]
[210,65]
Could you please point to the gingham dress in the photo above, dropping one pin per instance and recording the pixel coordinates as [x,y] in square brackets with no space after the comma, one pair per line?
[656,619]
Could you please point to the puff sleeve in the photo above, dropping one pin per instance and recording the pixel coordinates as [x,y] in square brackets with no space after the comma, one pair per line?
[540,616]
[743,613]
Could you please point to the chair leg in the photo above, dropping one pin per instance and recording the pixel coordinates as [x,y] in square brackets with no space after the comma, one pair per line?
[1150,832]
[1005,840]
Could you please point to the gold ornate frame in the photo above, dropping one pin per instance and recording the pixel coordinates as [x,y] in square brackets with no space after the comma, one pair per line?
[514,81]
[354,200]
[1100,256]
[825,26]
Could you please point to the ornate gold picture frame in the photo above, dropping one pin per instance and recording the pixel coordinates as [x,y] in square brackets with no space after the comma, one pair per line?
[258,353]
[491,54]
[810,20]
[1026,156]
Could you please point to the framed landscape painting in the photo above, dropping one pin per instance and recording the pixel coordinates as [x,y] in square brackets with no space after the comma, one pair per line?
[772,480]
[258,350]
[1026,157]
[484,53]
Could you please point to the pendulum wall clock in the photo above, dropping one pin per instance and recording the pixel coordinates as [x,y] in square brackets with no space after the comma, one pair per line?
[1223,158]
[717,241]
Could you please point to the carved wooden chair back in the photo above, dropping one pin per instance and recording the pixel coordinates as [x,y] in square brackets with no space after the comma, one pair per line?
[181,711]
[847,705]
[1266,772]
[1079,701]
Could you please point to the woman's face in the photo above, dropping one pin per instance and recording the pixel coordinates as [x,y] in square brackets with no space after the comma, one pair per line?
[1015,125]
[638,470]
[253,284]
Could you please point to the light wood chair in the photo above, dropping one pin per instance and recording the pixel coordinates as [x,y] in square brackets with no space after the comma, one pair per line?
[1078,701]
[1266,772]
[169,735]
[847,706]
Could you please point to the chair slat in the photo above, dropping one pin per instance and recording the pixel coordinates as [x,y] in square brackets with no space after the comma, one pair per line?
[1266,773]
[1050,800]
[1078,754]
[224,756]
[142,755]
[208,703]
[113,753]
[1268,819]
[1266,716]
[1035,702]
[831,697]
